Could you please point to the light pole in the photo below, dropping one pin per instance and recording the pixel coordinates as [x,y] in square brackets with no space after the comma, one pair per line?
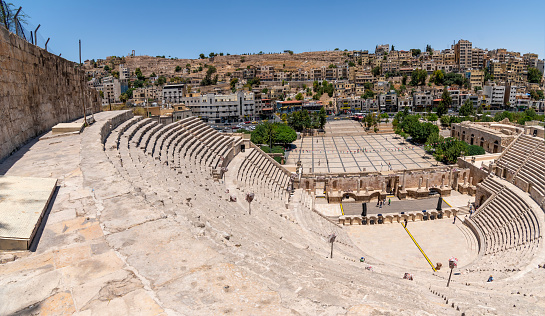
[331,239]
[249,199]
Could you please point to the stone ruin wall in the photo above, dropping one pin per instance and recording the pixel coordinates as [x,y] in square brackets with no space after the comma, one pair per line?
[375,181]
[37,91]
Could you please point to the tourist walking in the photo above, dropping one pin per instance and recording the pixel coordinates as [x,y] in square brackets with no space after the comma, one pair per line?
[389,201]
[405,222]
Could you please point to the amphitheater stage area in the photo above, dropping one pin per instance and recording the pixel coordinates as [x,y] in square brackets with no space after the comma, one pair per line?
[440,240]
[357,153]
[23,202]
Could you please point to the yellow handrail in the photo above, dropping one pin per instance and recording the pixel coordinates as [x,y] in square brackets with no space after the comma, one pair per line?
[417,245]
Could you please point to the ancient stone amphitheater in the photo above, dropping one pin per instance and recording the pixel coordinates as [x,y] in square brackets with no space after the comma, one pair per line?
[151,219]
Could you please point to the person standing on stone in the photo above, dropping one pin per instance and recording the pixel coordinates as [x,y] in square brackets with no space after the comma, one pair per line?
[389,201]
[405,222]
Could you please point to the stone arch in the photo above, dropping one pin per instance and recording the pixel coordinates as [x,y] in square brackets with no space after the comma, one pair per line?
[335,184]
[472,139]
[496,146]
[346,195]
[307,185]
[374,195]
[482,199]
[482,142]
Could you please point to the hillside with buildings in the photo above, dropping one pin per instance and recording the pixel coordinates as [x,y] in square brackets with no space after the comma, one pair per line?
[385,79]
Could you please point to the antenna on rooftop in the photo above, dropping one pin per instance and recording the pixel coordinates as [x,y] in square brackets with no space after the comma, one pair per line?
[80,52]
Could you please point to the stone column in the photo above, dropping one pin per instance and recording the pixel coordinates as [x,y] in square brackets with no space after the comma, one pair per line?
[403,186]
[383,186]
[427,183]
[358,184]
[419,183]
[465,180]
[442,181]
[450,178]
[471,181]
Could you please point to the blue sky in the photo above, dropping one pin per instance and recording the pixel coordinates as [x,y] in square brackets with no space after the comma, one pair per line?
[184,29]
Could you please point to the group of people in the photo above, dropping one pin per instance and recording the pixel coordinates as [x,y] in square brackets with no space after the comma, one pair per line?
[389,165]
[380,202]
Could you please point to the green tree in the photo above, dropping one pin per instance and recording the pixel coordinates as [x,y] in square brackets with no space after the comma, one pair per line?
[368,94]
[438,77]
[299,96]
[139,74]
[376,71]
[429,49]
[124,97]
[101,93]
[161,80]
[201,56]
[534,75]
[178,69]
[322,118]
[467,108]
[284,134]
[445,103]
[415,52]
[475,150]
[536,94]
[418,77]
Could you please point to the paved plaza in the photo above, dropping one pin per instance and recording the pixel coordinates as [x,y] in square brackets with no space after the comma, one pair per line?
[358,153]
[391,244]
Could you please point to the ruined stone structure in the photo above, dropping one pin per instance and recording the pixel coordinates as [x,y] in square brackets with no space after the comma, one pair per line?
[37,91]
[365,187]
[493,137]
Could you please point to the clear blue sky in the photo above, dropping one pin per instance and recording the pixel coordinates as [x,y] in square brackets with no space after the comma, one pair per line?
[186,28]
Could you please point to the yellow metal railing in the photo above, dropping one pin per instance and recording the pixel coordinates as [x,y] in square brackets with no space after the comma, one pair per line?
[419,248]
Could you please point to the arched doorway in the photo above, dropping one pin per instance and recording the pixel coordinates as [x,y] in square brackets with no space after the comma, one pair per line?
[496,147]
[482,142]
[482,200]
[472,139]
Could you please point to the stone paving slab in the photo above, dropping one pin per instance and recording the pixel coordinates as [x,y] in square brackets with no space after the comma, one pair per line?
[22,204]
[358,153]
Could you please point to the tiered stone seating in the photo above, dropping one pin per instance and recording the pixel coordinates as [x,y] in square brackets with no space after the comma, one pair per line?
[490,185]
[514,157]
[261,173]
[534,168]
[510,224]
[168,191]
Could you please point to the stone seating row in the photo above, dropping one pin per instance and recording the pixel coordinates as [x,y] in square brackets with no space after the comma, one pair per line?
[493,187]
[315,223]
[162,142]
[516,154]
[534,169]
[165,191]
[259,172]
[506,221]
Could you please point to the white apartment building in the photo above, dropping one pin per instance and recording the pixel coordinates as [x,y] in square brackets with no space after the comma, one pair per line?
[223,108]
[498,96]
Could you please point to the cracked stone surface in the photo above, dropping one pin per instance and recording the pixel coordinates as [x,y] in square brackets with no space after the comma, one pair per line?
[109,248]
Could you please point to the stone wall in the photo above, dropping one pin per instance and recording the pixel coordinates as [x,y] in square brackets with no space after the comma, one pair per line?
[37,91]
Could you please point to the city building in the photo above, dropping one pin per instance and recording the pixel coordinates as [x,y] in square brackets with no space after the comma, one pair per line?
[463,54]
[173,93]
[222,108]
